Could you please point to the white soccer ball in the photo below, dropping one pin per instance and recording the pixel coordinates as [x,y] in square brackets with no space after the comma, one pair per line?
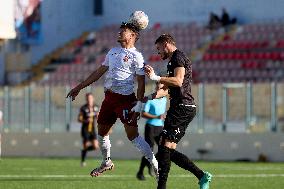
[139,19]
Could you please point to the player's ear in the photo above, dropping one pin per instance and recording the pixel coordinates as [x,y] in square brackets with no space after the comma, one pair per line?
[165,45]
[135,35]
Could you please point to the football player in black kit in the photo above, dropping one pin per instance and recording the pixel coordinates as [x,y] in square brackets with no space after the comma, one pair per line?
[87,116]
[181,112]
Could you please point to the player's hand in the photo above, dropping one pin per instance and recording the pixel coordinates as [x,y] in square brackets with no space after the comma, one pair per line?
[135,117]
[149,71]
[138,107]
[73,93]
[136,111]
[145,99]
[162,117]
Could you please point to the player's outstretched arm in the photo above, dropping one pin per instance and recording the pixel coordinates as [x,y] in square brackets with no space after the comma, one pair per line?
[140,94]
[175,81]
[92,78]
[141,87]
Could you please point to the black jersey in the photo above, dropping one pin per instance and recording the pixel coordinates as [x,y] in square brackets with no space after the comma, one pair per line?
[88,117]
[180,95]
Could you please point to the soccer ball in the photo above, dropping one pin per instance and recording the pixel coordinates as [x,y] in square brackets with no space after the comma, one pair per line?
[139,19]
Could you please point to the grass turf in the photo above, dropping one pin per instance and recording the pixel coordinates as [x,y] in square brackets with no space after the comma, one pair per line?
[31,173]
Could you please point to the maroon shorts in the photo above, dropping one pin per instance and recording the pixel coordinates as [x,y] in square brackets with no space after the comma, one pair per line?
[117,106]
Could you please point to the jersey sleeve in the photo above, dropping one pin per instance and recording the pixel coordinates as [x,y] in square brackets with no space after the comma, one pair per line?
[106,60]
[147,106]
[139,64]
[178,61]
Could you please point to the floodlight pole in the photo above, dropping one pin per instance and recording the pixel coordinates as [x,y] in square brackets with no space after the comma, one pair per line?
[47,117]
[27,106]
[249,105]
[6,110]
[225,109]
[201,103]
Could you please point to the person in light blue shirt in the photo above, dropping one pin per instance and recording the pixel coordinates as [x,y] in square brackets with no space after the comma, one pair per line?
[154,112]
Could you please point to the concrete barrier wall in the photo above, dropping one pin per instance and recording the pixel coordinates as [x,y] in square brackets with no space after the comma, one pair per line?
[228,147]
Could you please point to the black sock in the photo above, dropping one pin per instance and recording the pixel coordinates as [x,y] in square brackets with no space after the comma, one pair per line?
[90,148]
[184,162]
[83,155]
[164,160]
[144,162]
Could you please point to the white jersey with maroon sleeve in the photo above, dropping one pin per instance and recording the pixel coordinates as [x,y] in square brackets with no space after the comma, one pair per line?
[123,65]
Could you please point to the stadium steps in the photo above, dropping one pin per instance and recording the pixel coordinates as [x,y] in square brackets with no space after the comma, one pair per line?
[216,37]
[38,69]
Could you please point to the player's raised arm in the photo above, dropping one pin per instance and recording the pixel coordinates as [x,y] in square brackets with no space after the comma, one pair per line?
[175,81]
[141,87]
[140,75]
[92,78]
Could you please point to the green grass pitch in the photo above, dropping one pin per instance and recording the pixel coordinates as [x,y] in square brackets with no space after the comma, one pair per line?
[32,173]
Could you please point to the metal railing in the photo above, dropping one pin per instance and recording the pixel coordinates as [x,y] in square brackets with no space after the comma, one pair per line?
[243,107]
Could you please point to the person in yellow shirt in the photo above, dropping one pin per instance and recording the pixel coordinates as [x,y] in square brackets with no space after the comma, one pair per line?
[87,116]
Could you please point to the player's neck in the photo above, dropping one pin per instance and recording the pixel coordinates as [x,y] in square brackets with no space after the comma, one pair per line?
[172,50]
[127,45]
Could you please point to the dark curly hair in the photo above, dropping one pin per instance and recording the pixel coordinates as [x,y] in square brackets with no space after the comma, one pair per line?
[165,38]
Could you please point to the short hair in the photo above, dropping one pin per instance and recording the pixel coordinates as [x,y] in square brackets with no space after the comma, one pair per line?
[132,27]
[165,38]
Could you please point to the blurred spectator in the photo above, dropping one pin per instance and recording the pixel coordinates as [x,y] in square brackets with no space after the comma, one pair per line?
[214,22]
[225,19]
[91,39]
[157,26]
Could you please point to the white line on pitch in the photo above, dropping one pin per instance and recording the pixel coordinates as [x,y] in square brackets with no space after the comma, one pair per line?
[251,169]
[130,176]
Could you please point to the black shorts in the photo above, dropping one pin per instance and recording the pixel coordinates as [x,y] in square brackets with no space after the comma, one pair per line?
[177,121]
[152,134]
[88,136]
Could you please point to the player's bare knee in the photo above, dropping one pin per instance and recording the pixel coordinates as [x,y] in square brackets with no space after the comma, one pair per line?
[167,143]
[170,145]
[132,135]
[131,132]
[95,147]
